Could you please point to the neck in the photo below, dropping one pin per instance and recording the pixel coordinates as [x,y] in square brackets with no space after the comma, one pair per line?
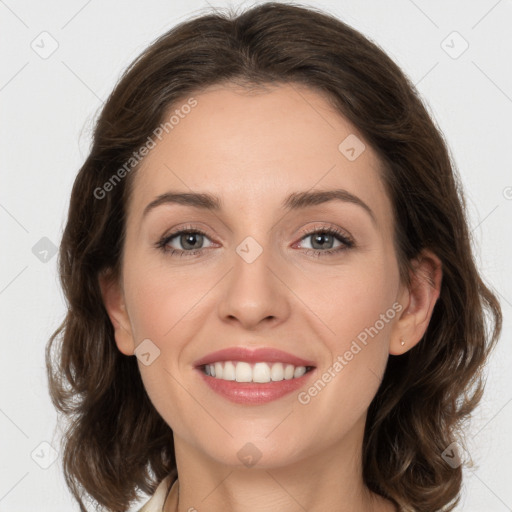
[327,480]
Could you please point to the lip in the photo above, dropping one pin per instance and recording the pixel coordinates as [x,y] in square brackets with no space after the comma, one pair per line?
[254,393]
[262,354]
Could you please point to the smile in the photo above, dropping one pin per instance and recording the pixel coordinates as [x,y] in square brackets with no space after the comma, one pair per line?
[261,372]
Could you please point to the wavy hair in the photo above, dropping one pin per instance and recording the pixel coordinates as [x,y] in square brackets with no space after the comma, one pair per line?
[115,442]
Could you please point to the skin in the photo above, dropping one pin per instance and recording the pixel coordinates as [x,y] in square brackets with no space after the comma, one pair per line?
[252,149]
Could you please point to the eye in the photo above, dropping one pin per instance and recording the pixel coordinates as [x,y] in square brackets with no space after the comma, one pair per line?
[185,242]
[190,242]
[323,241]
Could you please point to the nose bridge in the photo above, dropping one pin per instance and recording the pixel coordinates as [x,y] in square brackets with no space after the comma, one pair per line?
[253,293]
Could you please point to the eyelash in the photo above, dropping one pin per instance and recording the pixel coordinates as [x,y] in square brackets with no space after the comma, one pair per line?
[347,241]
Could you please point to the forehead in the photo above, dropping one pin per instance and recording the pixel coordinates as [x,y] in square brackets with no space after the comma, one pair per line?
[248,146]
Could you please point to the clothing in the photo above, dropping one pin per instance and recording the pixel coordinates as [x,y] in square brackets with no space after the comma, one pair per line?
[156,502]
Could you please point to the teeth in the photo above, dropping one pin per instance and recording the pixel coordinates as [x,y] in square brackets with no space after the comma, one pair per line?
[261,372]
[299,371]
[229,371]
[289,372]
[242,371]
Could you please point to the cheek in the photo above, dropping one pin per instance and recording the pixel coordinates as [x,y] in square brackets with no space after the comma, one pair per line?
[357,308]
[356,305]
[160,301]
[352,299]
[361,310]
[161,308]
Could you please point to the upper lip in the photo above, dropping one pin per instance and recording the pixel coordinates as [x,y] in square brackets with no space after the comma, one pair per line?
[263,354]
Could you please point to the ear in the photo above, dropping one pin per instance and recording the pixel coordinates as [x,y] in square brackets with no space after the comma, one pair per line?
[113,299]
[419,299]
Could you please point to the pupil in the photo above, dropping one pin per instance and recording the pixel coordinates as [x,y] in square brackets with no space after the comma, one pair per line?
[189,238]
[320,238]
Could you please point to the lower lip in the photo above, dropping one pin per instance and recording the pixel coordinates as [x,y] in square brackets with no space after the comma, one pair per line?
[254,393]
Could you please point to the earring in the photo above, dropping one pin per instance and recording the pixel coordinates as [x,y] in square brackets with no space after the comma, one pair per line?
[402,342]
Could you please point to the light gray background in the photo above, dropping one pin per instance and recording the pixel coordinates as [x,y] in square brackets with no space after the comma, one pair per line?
[47,109]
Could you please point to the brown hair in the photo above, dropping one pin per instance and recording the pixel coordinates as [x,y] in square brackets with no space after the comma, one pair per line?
[116,442]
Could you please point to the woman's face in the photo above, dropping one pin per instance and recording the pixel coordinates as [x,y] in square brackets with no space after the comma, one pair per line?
[258,277]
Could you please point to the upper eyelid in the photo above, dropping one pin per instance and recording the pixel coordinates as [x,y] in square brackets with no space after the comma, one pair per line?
[324,225]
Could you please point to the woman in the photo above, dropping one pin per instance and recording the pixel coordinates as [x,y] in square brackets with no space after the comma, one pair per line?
[273,303]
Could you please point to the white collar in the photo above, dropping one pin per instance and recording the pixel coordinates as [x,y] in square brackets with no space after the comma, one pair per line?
[156,503]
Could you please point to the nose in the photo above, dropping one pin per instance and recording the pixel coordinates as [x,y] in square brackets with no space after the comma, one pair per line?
[254,293]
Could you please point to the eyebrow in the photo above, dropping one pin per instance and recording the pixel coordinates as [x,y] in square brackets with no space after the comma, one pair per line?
[295,201]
